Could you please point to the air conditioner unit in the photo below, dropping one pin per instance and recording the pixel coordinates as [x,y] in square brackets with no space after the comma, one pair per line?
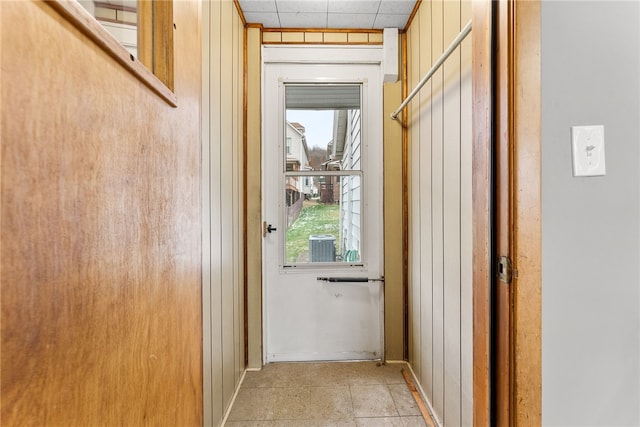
[322,248]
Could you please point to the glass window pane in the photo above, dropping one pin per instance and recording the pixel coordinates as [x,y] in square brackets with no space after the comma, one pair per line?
[322,133]
[323,218]
[323,140]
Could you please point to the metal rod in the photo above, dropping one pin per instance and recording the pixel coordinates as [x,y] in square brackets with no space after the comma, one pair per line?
[349,279]
[454,44]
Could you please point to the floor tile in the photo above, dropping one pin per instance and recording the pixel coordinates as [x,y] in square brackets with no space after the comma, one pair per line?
[253,404]
[331,403]
[393,373]
[366,373]
[311,423]
[379,422]
[328,374]
[403,399]
[340,394]
[372,401]
[291,403]
[416,421]
[247,424]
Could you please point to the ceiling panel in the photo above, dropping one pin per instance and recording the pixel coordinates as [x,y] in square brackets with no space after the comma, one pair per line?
[303,20]
[259,6]
[348,20]
[307,6]
[267,19]
[390,21]
[354,6]
[348,14]
[397,7]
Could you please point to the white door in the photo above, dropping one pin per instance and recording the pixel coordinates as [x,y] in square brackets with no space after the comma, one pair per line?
[322,204]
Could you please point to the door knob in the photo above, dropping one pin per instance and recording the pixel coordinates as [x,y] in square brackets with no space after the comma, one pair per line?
[267,229]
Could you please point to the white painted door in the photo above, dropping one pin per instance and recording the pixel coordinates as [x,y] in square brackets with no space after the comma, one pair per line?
[322,204]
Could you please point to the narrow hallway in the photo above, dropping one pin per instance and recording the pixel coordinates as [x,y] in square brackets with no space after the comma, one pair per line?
[325,394]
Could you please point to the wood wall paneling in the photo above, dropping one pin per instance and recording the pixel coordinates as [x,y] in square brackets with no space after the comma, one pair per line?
[207,327]
[452,219]
[238,161]
[437,195]
[440,253]
[414,203]
[101,230]
[424,196]
[222,195]
[466,222]
[254,202]
[393,237]
[226,201]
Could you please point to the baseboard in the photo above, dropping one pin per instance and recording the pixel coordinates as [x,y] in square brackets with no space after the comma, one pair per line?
[426,401]
[235,394]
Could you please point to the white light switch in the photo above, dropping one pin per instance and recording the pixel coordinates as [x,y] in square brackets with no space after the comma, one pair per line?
[588,150]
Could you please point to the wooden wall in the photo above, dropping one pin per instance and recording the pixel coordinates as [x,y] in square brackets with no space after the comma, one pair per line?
[439,130]
[101,230]
[223,208]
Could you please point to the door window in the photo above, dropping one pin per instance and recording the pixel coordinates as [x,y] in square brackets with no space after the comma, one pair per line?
[323,175]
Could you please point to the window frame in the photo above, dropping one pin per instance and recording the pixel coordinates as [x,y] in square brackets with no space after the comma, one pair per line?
[162,63]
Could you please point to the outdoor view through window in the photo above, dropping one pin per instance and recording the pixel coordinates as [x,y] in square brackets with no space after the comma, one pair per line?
[322,174]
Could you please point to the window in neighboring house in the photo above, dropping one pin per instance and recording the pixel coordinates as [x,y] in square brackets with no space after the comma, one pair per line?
[288,145]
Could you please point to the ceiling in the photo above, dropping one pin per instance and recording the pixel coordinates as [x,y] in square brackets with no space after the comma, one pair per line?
[351,14]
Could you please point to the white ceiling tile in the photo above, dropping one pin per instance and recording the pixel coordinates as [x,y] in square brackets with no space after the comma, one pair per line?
[346,20]
[267,19]
[397,7]
[258,5]
[302,6]
[390,21]
[354,6]
[313,13]
[303,20]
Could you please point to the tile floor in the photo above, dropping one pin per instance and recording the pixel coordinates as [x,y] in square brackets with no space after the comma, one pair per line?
[325,394]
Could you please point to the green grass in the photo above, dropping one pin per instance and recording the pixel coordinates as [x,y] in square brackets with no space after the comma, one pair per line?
[315,218]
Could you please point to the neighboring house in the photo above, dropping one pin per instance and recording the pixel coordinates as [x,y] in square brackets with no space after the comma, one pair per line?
[344,154]
[297,155]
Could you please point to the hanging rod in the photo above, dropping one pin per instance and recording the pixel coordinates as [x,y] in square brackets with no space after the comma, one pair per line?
[454,44]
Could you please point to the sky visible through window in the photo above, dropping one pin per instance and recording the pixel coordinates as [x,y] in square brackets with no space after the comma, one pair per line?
[318,125]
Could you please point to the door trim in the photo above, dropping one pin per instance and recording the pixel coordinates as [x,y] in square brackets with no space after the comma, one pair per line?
[517,376]
[526,202]
[482,183]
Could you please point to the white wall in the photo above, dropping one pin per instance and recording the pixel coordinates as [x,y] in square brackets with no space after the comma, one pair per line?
[590,226]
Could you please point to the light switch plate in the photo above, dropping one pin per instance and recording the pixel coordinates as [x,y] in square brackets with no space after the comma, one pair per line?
[588,150]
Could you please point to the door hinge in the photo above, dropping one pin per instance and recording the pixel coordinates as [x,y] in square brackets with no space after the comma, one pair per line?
[505,270]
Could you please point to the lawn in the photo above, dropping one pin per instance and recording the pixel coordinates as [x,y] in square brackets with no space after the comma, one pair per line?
[315,218]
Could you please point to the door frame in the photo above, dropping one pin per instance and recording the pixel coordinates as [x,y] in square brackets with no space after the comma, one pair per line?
[506,113]
[341,56]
